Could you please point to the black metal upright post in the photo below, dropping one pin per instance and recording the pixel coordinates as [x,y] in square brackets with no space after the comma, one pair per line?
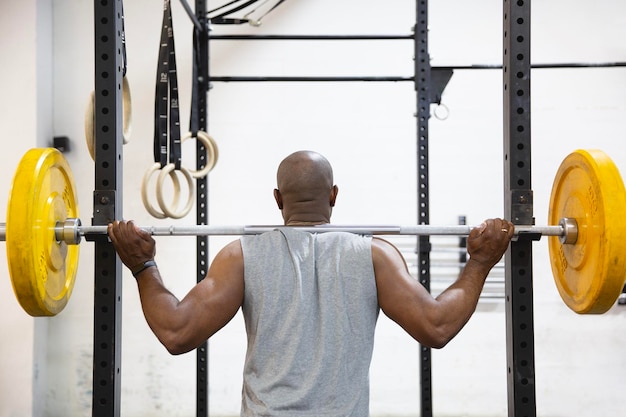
[422,87]
[518,206]
[202,209]
[107,205]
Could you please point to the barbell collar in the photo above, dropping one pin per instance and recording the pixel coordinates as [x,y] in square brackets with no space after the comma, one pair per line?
[68,231]
[570,231]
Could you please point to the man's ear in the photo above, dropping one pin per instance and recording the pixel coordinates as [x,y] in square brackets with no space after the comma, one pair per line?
[333,195]
[279,198]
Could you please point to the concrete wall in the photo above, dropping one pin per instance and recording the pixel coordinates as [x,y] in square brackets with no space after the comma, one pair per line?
[367,130]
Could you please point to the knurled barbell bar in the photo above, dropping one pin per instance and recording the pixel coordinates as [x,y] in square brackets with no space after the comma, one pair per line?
[586,239]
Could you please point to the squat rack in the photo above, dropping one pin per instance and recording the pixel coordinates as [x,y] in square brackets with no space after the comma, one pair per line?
[429,83]
[107,204]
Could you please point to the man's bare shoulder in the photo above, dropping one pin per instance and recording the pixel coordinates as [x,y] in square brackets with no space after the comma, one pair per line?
[230,252]
[384,247]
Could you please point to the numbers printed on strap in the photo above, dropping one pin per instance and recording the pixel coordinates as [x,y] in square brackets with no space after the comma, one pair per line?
[166,117]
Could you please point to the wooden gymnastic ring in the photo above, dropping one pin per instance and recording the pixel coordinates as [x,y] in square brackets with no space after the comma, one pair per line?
[127,118]
[170,170]
[144,191]
[212,153]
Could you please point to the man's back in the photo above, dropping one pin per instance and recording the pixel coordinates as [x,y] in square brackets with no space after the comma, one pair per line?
[310,307]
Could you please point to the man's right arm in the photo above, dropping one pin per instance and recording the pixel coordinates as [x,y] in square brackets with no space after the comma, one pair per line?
[435,321]
[182,325]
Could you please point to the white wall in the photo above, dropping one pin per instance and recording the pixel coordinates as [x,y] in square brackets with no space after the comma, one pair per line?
[367,130]
[25,44]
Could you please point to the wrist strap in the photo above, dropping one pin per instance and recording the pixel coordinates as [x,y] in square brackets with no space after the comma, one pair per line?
[142,266]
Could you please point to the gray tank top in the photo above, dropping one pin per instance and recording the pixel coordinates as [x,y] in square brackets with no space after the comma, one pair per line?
[310,309]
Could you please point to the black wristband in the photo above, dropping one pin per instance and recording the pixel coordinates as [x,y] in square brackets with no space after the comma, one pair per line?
[139,268]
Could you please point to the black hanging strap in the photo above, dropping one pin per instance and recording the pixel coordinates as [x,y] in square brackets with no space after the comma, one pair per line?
[222,19]
[175,146]
[267,12]
[191,15]
[223,6]
[123,36]
[194,114]
[161,95]
[166,110]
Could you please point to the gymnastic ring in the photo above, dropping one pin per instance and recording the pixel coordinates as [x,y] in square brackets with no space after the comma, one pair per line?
[212,152]
[441,111]
[144,191]
[169,169]
[211,147]
[127,111]
[89,125]
[127,118]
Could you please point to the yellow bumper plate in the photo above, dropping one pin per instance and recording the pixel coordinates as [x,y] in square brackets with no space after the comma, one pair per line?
[42,270]
[590,273]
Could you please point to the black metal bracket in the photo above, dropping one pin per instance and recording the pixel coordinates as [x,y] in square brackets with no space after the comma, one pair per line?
[104,211]
[439,78]
[522,207]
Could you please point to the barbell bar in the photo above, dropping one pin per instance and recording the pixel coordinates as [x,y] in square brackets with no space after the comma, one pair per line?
[587,235]
[71,230]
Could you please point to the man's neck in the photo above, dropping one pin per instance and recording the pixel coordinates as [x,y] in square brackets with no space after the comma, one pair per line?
[304,223]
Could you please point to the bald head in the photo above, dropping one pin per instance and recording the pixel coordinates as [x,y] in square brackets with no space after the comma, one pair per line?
[304,170]
[306,193]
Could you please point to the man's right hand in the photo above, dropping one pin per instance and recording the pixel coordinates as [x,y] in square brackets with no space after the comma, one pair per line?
[487,243]
[133,245]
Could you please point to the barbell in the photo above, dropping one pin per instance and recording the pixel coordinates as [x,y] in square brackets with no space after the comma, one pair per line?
[43,231]
[71,230]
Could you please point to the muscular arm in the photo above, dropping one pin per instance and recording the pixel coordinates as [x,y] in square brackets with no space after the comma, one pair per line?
[435,321]
[182,325]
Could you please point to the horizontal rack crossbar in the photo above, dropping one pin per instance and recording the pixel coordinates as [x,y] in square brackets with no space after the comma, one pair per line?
[311,37]
[308,79]
[393,78]
[535,66]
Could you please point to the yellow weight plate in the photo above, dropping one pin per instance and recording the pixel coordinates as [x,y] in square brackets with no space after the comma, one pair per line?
[42,270]
[589,274]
